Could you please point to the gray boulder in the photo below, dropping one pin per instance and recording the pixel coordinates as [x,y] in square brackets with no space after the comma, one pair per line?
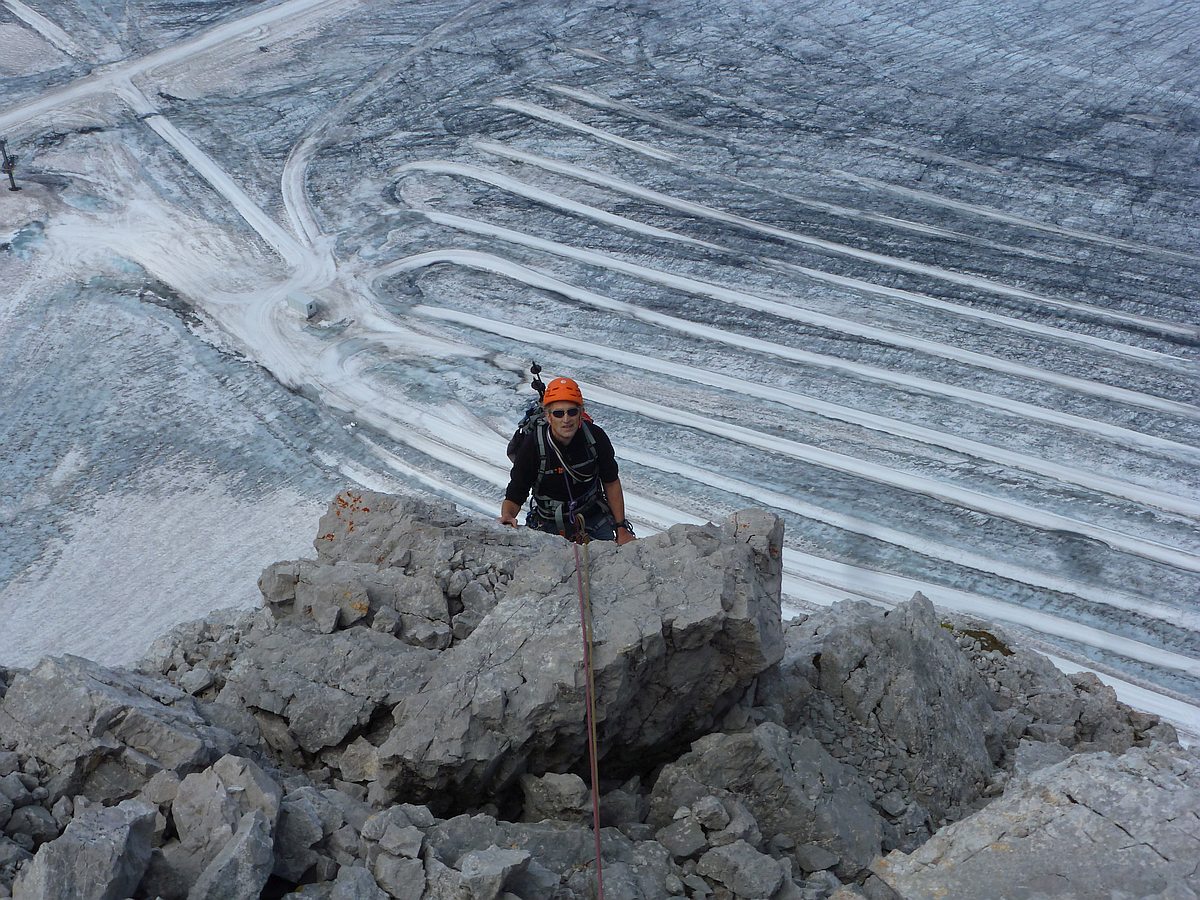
[310,691]
[405,841]
[102,855]
[16,791]
[554,796]
[413,544]
[742,869]
[636,870]
[683,623]
[559,854]
[441,882]
[791,786]
[105,732]
[356,883]
[317,598]
[683,838]
[1037,702]
[12,857]
[892,692]
[624,806]
[33,820]
[209,805]
[241,868]
[208,809]
[208,644]
[486,872]
[1104,722]
[299,829]
[1031,756]
[419,536]
[403,878]
[1096,825]
[323,598]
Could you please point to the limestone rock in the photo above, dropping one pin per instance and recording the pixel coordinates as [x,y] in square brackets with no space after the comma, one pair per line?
[209,805]
[241,868]
[638,870]
[14,791]
[441,882]
[425,657]
[1040,703]
[35,821]
[916,703]
[209,644]
[742,869]
[559,854]
[1034,755]
[814,857]
[299,829]
[554,796]
[102,855]
[356,883]
[403,840]
[684,837]
[624,806]
[401,877]
[417,535]
[790,785]
[1096,825]
[485,872]
[711,814]
[322,687]
[683,622]
[378,824]
[323,598]
[12,856]
[1100,726]
[104,732]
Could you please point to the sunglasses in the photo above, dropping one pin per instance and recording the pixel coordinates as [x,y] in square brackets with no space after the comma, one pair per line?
[559,413]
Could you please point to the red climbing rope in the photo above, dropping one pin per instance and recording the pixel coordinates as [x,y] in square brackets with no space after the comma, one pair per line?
[583,580]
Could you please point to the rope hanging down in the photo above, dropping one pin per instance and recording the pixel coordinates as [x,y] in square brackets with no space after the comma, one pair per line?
[583,580]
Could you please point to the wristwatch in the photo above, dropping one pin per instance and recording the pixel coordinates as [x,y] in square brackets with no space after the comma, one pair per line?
[624,523]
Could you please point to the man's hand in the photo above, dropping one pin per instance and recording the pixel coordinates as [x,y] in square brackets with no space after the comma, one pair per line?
[624,537]
[508,514]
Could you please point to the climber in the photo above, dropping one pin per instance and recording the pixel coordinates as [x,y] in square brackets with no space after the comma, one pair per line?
[569,464]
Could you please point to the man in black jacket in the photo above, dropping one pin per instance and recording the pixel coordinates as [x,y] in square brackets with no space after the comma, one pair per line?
[569,464]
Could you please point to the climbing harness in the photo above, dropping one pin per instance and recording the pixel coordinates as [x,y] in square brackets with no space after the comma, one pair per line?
[563,514]
[583,581]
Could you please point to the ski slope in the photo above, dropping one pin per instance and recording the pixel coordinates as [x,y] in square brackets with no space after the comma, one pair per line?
[948,373]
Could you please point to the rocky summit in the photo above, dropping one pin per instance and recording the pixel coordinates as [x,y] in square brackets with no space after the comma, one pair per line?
[406,717]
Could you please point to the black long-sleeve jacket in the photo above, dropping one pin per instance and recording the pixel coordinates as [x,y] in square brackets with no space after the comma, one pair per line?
[554,485]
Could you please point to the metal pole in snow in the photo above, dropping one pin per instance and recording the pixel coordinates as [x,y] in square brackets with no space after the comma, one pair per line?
[8,165]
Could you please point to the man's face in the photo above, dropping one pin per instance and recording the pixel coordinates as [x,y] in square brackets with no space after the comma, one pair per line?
[563,416]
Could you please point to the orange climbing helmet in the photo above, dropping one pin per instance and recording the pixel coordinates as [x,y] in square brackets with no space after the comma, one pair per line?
[562,389]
